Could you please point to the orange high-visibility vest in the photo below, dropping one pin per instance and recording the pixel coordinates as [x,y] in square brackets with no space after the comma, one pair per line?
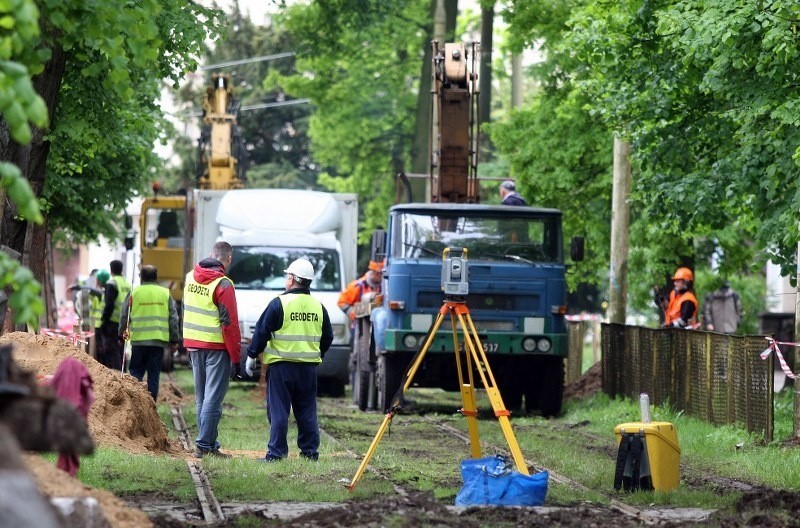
[674,307]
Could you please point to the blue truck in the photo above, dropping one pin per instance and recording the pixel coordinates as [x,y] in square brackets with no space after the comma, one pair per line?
[517,270]
[517,301]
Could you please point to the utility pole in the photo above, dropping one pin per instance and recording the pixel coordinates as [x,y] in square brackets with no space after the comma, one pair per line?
[796,384]
[620,232]
[516,80]
[439,34]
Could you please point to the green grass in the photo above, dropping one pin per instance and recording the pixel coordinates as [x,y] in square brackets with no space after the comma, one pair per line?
[126,474]
[419,456]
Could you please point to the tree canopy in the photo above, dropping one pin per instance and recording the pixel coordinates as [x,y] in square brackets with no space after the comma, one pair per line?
[703,91]
[97,68]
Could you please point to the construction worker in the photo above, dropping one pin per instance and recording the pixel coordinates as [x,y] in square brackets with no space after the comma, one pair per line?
[150,321]
[681,308]
[115,293]
[369,283]
[722,310]
[86,297]
[509,195]
[96,314]
[298,330]
[211,335]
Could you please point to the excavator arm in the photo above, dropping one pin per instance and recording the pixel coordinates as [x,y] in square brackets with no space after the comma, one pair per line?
[454,150]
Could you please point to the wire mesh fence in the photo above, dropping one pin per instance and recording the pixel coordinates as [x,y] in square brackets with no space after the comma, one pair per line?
[715,377]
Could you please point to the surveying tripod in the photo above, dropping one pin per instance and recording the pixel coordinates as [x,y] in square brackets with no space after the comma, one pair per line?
[455,286]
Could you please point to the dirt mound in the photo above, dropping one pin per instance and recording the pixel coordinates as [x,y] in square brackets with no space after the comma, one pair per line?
[124,414]
[590,383]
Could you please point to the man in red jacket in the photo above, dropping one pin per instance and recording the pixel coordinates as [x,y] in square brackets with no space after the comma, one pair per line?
[211,335]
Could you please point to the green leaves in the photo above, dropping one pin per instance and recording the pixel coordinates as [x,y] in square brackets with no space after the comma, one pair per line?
[20,192]
[705,91]
[19,103]
[25,302]
[107,123]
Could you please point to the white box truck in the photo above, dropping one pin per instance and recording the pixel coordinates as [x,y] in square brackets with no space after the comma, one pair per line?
[268,229]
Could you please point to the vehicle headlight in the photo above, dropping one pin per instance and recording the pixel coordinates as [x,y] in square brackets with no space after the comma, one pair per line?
[410,341]
[340,332]
[544,344]
[529,344]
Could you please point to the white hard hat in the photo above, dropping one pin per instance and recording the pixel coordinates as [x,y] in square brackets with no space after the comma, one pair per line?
[301,268]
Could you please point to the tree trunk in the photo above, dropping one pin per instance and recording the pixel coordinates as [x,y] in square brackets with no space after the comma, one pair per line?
[32,159]
[516,81]
[620,220]
[796,384]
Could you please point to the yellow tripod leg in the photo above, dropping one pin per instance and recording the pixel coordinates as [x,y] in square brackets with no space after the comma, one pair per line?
[468,407]
[502,417]
[389,415]
[470,410]
[473,344]
[371,451]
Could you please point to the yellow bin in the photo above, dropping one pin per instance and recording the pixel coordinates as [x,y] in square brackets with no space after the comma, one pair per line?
[663,451]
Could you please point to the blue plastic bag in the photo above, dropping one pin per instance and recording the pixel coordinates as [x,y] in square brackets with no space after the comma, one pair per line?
[492,481]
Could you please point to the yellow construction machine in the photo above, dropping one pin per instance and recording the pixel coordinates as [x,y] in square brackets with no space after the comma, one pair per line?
[166,221]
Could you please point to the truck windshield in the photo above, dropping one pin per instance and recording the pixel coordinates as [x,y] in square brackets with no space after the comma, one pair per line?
[495,238]
[164,227]
[261,267]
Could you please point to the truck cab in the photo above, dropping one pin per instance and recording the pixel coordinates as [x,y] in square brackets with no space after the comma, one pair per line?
[517,298]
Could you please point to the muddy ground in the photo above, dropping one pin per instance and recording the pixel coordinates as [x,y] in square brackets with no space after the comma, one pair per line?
[762,508]
[125,416]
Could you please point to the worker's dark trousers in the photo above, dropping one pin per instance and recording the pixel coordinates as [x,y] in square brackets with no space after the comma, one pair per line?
[292,385]
[147,359]
[109,345]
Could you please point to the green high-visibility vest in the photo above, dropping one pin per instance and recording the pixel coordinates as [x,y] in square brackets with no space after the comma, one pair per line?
[149,313]
[124,288]
[200,314]
[299,336]
[96,313]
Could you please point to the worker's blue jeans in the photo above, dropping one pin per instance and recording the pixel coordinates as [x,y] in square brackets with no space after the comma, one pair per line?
[294,385]
[212,372]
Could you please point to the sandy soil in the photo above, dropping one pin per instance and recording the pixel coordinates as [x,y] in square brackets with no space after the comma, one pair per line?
[123,415]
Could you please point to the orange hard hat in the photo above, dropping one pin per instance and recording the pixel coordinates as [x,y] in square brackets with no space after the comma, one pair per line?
[683,273]
[374,265]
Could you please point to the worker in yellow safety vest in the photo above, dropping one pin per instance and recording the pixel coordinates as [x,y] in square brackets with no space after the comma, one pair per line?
[298,330]
[149,320]
[211,335]
[115,293]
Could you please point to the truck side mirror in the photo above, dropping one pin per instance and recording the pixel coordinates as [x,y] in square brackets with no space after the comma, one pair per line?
[378,247]
[576,249]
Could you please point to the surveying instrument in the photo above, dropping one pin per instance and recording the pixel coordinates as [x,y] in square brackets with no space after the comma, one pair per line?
[455,284]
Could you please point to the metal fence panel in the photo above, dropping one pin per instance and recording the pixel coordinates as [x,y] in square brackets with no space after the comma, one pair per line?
[715,377]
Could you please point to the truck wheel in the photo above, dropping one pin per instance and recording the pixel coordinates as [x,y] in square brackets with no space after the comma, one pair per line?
[362,372]
[361,388]
[390,372]
[335,388]
[548,392]
[168,361]
[512,398]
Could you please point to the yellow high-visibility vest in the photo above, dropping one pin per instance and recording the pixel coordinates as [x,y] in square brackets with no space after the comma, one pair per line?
[299,337]
[97,310]
[123,289]
[200,314]
[149,313]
